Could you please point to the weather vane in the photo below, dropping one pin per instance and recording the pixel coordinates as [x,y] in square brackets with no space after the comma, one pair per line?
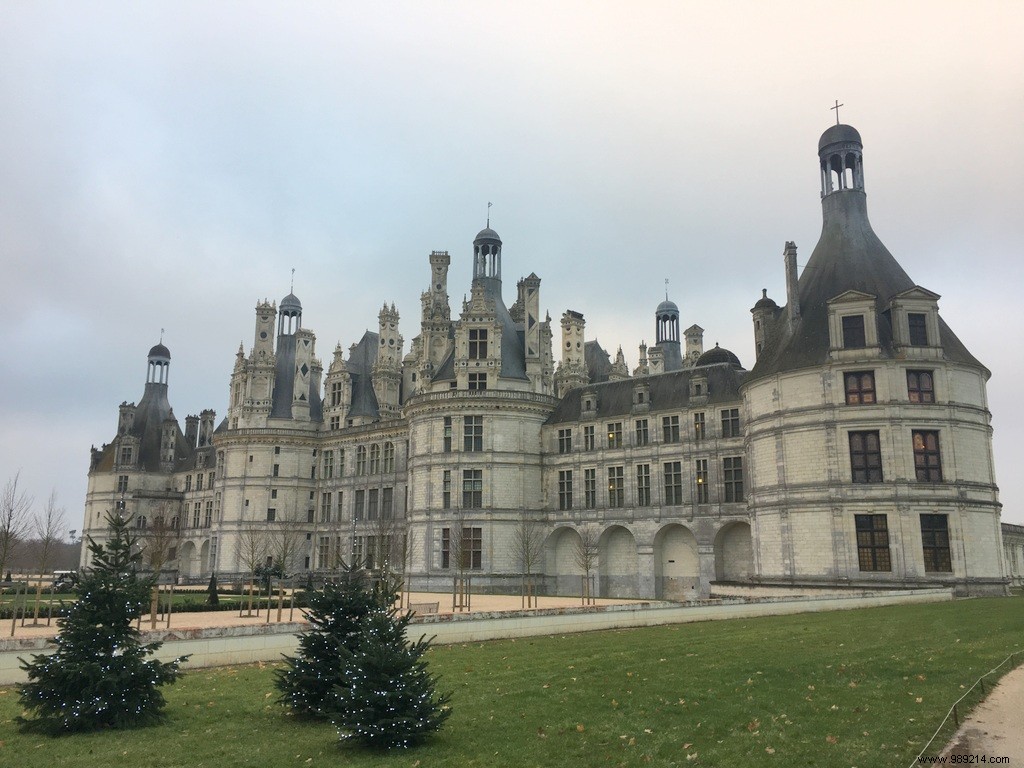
[489,215]
[836,108]
[292,290]
[666,289]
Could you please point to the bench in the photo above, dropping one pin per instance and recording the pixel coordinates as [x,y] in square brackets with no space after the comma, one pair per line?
[423,607]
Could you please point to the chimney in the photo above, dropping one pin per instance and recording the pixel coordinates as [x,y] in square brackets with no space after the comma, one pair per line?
[792,292]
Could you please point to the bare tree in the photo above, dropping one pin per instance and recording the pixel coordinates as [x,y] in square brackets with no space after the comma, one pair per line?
[253,546]
[285,539]
[386,555]
[158,541]
[585,555]
[49,530]
[528,547]
[459,555]
[14,520]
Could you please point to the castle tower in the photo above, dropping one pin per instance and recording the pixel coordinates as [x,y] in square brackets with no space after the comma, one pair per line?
[572,370]
[667,337]
[387,368]
[764,313]
[487,256]
[694,336]
[619,369]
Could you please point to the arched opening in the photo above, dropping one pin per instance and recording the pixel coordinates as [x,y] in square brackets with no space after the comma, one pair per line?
[676,564]
[562,556]
[617,563]
[187,565]
[734,553]
[204,558]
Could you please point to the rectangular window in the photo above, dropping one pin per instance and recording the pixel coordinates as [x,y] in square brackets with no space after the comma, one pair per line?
[472,548]
[873,543]
[935,539]
[209,480]
[730,422]
[208,514]
[446,489]
[447,434]
[122,483]
[360,506]
[188,482]
[701,477]
[616,487]
[643,435]
[369,550]
[670,429]
[323,551]
[325,507]
[341,462]
[277,450]
[590,488]
[699,427]
[271,515]
[853,332]
[643,485]
[372,499]
[565,441]
[477,343]
[473,434]
[446,547]
[357,550]
[277,470]
[565,489]
[860,387]
[615,435]
[374,459]
[335,394]
[335,422]
[920,387]
[328,470]
[865,457]
[361,460]
[732,476]
[478,381]
[389,458]
[589,443]
[472,488]
[673,483]
[387,503]
[199,482]
[918,329]
[927,461]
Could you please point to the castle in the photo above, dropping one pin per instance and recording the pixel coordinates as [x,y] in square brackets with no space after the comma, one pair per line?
[856,451]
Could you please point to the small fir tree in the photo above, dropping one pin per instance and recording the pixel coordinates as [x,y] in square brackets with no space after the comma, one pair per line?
[387,697]
[307,680]
[212,598]
[100,676]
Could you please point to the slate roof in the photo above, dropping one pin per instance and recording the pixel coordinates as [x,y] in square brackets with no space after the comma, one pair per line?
[848,256]
[360,368]
[668,391]
[150,414]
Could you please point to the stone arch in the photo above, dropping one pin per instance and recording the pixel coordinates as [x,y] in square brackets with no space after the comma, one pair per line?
[734,552]
[676,563]
[188,564]
[205,566]
[560,552]
[617,563]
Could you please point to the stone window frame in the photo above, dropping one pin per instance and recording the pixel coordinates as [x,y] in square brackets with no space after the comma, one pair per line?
[565,440]
[700,426]
[473,434]
[672,473]
[616,487]
[565,489]
[641,432]
[865,456]
[700,480]
[918,391]
[472,489]
[590,487]
[935,543]
[916,301]
[615,439]
[732,480]
[927,455]
[873,549]
[477,349]
[848,305]
[643,485]
[730,422]
[670,429]
[860,388]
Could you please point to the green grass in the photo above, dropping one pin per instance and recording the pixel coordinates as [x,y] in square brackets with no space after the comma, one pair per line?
[852,688]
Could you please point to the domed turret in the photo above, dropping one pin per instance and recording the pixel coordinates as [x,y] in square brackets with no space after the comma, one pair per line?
[841,153]
[289,315]
[159,364]
[718,356]
[486,255]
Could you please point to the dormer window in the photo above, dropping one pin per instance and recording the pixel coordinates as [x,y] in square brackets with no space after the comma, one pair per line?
[477,343]
[918,328]
[853,332]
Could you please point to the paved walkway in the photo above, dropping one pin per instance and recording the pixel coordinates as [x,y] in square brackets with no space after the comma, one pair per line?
[480,603]
[995,729]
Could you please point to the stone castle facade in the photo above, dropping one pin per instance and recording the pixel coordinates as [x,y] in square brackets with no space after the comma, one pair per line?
[856,451]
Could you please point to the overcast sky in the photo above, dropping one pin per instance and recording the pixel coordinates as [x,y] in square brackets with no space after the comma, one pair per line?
[166,165]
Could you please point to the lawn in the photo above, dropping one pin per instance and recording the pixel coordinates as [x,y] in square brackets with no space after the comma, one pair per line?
[852,688]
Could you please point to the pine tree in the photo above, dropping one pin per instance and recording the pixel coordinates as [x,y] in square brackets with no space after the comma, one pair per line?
[387,697]
[100,676]
[308,679]
[212,598]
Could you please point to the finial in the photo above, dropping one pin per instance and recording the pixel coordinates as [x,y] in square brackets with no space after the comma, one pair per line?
[292,289]
[489,215]
[161,335]
[836,108]
[666,289]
